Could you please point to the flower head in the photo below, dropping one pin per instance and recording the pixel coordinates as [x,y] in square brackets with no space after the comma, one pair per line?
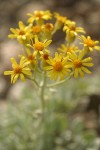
[47,30]
[19,70]
[36,29]
[31,58]
[22,34]
[78,64]
[89,44]
[39,15]
[48,27]
[72,30]
[60,20]
[44,57]
[40,46]
[66,48]
[57,67]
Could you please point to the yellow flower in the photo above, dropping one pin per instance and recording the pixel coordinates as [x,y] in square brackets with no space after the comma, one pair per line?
[72,30]
[65,48]
[36,29]
[44,57]
[60,20]
[39,46]
[22,34]
[47,31]
[39,15]
[78,64]
[19,70]
[89,44]
[48,27]
[31,58]
[57,67]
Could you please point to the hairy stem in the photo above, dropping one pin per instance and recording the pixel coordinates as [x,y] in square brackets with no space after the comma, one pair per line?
[42,94]
[58,83]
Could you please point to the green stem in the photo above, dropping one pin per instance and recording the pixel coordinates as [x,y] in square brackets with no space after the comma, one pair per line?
[24,50]
[42,92]
[36,83]
[58,83]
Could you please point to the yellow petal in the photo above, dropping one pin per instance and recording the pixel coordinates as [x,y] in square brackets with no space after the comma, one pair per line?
[86,70]
[14,63]
[11,36]
[73,56]
[61,76]
[81,73]
[81,54]
[22,77]
[27,72]
[47,43]
[8,72]
[14,78]
[13,30]
[88,64]
[54,75]
[21,25]
[48,67]
[56,55]
[36,39]
[87,60]
[97,48]
[76,73]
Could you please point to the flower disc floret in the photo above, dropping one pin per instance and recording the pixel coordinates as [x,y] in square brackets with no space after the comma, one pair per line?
[31,57]
[77,63]
[36,29]
[45,56]
[18,70]
[48,27]
[21,32]
[39,46]
[58,66]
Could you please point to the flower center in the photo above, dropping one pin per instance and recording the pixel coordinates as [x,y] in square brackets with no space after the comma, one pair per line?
[30,57]
[39,46]
[39,15]
[21,33]
[18,70]
[72,28]
[58,66]
[69,49]
[61,19]
[49,26]
[77,63]
[89,42]
[45,56]
[36,29]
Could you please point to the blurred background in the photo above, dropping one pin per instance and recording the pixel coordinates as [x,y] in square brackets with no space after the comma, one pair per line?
[77,120]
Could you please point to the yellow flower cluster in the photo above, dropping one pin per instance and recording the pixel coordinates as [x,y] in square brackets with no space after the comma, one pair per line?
[36,37]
